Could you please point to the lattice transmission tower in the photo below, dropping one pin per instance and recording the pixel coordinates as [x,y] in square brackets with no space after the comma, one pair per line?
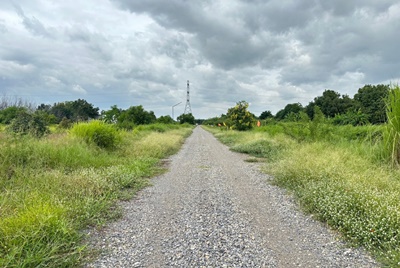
[188,109]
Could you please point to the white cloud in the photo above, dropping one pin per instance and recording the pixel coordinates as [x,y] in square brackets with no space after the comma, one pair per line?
[79,89]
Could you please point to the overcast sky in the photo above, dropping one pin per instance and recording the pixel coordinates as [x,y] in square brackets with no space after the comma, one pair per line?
[136,52]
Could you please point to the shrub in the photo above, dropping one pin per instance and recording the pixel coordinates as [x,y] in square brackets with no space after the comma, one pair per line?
[65,123]
[97,132]
[351,118]
[9,113]
[26,123]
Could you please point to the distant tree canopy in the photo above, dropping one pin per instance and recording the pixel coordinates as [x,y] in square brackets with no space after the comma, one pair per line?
[332,103]
[266,115]
[366,107]
[82,110]
[165,119]
[112,115]
[78,110]
[186,118]
[293,108]
[216,120]
[136,115]
[370,100]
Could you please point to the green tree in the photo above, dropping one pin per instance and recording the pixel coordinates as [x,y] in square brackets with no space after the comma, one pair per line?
[9,113]
[82,110]
[27,123]
[61,110]
[165,119]
[44,107]
[111,116]
[136,115]
[46,116]
[310,108]
[332,103]
[293,108]
[240,117]
[78,110]
[266,115]
[371,100]
[186,118]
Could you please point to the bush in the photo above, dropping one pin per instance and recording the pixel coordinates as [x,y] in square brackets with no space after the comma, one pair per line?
[26,123]
[9,113]
[351,118]
[65,123]
[97,132]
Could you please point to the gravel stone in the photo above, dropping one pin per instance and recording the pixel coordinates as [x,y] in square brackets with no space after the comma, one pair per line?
[213,209]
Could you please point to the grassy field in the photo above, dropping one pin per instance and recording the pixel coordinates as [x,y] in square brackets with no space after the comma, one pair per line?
[341,177]
[53,188]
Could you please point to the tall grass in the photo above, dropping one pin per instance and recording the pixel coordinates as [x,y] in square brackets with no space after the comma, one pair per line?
[54,187]
[392,130]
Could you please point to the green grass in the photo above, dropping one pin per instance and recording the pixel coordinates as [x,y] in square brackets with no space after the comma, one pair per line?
[392,130]
[54,187]
[342,180]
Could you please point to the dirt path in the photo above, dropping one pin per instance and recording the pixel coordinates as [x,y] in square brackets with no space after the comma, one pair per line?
[212,209]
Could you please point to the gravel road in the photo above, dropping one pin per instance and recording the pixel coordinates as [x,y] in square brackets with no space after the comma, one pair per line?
[213,209]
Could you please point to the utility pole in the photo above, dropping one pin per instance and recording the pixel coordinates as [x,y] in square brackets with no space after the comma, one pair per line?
[173,110]
[188,109]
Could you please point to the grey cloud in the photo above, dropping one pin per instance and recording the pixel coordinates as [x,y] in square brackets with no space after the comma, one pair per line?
[20,56]
[337,45]
[346,8]
[175,47]
[3,28]
[277,16]
[222,40]
[32,24]
[269,53]
[78,33]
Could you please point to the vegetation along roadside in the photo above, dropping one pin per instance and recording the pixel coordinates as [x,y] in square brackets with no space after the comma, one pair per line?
[346,176]
[55,186]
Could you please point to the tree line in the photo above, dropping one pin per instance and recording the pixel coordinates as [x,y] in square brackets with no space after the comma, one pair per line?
[23,117]
[366,107]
